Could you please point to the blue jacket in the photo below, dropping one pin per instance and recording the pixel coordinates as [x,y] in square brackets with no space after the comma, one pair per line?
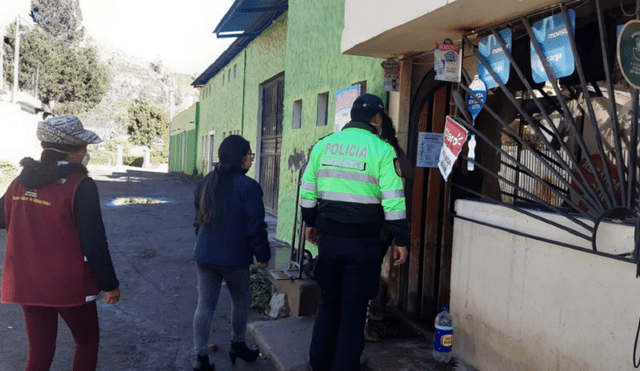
[243,232]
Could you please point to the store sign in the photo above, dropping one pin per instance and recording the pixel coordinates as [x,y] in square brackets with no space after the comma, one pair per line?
[344,101]
[553,37]
[391,74]
[490,49]
[628,52]
[447,62]
[455,135]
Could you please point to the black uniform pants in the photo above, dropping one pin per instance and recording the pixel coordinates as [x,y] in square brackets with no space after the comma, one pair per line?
[348,273]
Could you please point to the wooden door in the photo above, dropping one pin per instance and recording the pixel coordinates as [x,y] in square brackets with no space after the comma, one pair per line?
[424,286]
[271,141]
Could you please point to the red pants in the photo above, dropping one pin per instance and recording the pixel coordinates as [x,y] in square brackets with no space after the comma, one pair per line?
[42,328]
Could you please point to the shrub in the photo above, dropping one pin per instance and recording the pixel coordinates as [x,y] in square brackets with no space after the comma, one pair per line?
[260,288]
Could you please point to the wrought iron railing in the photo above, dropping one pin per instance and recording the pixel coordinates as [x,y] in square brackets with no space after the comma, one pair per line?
[570,149]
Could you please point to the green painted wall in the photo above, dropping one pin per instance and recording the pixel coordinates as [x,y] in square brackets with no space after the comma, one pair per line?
[184,122]
[314,65]
[231,107]
[265,59]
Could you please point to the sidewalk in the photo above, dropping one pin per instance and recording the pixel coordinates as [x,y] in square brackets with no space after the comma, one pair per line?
[286,343]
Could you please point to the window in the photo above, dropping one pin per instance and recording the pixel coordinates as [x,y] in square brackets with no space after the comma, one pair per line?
[223,79]
[234,70]
[363,87]
[297,114]
[229,75]
[323,106]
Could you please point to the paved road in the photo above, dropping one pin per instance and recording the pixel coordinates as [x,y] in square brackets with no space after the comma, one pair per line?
[151,246]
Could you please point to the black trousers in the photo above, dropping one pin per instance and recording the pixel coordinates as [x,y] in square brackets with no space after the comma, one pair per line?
[348,273]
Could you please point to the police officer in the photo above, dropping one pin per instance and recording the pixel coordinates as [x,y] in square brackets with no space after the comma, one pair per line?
[349,189]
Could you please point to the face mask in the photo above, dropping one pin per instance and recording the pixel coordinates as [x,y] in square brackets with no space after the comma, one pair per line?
[85,159]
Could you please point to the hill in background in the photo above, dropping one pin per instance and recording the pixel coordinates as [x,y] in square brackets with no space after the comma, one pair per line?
[131,79]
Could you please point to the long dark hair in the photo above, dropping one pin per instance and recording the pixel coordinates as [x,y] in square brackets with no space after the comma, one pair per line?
[215,188]
[388,132]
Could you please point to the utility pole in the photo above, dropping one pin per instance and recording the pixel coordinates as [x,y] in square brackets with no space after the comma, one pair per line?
[16,60]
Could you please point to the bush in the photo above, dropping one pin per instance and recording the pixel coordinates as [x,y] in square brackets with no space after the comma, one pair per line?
[260,288]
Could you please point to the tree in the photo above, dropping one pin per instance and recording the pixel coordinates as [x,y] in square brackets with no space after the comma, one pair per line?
[62,19]
[147,122]
[70,75]
[52,59]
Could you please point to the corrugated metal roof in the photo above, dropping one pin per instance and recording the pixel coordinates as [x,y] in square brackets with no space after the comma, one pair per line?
[244,14]
[246,19]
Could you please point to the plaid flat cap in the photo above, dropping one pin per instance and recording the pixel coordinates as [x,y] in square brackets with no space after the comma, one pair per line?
[65,129]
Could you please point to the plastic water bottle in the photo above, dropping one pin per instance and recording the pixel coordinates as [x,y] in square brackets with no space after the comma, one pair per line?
[472,152]
[444,336]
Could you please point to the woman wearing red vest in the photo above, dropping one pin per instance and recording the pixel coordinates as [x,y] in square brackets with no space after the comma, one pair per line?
[57,259]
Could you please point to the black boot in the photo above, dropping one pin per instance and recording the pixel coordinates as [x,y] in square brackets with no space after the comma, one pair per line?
[202,364]
[242,351]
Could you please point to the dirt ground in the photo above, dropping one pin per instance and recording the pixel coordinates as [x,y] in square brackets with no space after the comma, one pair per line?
[151,247]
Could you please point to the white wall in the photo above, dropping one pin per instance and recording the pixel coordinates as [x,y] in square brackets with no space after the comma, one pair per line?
[521,304]
[392,28]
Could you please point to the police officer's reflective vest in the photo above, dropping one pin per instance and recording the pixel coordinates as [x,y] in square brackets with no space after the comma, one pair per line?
[352,178]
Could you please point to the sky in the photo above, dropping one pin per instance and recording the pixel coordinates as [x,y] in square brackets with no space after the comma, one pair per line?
[180,33]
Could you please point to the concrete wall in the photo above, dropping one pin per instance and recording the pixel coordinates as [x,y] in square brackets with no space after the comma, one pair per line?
[184,122]
[314,65]
[522,304]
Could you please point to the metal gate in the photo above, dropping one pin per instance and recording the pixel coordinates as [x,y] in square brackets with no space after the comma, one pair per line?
[562,150]
[272,106]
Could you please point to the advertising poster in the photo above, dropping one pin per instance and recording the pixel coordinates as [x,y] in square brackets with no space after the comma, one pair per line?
[447,61]
[455,135]
[478,93]
[492,52]
[391,74]
[344,101]
[429,147]
[554,41]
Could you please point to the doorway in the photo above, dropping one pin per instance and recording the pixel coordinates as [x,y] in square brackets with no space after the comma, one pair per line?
[424,282]
[271,112]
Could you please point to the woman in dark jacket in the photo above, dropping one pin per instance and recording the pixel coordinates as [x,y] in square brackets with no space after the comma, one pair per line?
[231,231]
[57,259]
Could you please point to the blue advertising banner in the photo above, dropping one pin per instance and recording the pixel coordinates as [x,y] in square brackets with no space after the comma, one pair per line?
[553,37]
[478,94]
[492,52]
